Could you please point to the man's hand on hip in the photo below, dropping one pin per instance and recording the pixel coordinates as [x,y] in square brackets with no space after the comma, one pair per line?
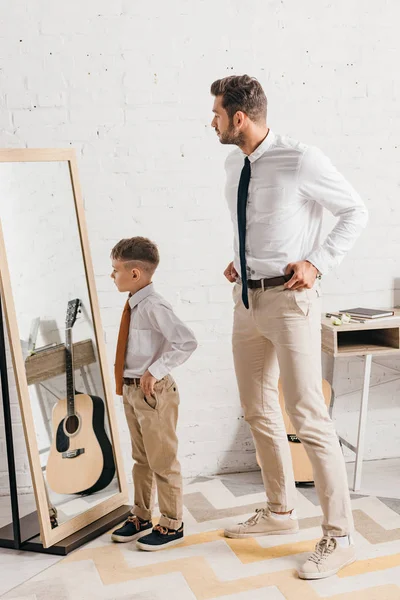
[230,273]
[304,275]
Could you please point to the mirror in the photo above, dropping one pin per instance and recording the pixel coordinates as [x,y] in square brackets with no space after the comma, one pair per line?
[75,458]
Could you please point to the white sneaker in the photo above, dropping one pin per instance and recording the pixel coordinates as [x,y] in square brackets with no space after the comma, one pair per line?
[329,557]
[263,522]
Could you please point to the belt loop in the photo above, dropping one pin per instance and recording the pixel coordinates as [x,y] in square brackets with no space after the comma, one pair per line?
[262,285]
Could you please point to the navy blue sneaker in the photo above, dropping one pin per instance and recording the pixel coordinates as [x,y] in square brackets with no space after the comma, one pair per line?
[160,538]
[133,529]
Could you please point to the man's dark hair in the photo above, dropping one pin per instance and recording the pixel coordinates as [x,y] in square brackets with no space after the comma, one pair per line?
[244,93]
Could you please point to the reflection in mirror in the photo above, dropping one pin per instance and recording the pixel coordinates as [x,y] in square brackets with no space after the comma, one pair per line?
[22,496]
[58,341]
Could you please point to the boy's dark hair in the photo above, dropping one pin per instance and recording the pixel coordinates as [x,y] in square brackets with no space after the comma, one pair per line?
[137,249]
[244,93]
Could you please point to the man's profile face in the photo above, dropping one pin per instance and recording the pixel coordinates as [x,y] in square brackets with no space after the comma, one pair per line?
[224,128]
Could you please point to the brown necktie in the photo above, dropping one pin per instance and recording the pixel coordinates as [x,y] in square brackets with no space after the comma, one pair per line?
[121,348]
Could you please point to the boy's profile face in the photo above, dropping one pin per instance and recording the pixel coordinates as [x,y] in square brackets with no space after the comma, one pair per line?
[126,279]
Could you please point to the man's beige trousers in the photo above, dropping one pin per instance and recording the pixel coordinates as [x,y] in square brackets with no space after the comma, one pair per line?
[152,426]
[280,336]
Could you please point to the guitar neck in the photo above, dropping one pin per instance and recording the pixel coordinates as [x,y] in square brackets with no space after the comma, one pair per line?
[69,369]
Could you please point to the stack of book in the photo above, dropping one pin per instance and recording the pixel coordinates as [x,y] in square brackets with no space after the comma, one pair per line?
[361,315]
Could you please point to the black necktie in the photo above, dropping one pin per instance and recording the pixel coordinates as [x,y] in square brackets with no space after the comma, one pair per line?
[241,214]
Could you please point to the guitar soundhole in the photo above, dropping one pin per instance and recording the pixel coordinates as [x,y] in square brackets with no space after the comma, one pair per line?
[72,425]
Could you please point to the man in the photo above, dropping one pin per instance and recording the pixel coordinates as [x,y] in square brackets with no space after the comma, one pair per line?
[276,190]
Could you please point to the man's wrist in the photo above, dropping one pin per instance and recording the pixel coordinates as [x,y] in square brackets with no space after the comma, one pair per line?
[319,274]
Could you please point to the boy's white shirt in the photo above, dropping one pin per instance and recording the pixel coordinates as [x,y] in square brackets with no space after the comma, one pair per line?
[158,340]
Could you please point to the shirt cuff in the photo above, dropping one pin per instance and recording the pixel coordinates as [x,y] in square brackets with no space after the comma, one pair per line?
[317,260]
[158,370]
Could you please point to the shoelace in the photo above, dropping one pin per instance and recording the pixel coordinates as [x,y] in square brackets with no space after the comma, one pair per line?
[323,549]
[135,520]
[259,514]
[161,529]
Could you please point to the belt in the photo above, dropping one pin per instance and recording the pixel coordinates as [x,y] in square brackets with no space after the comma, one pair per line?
[267,283]
[131,380]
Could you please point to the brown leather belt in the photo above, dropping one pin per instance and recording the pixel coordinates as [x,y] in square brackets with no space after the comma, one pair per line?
[136,380]
[132,380]
[254,284]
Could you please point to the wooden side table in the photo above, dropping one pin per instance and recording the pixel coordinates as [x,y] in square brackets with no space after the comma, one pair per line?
[376,337]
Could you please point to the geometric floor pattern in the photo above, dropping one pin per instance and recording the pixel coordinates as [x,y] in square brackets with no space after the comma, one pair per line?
[207,566]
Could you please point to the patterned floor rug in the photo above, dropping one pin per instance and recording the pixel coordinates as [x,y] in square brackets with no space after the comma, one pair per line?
[208,566]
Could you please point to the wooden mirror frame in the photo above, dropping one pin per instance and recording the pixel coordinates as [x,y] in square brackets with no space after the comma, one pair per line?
[51,536]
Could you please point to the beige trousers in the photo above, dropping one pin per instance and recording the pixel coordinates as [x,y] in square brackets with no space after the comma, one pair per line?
[152,426]
[280,336]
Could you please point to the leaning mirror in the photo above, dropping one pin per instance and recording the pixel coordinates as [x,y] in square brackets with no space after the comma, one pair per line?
[57,343]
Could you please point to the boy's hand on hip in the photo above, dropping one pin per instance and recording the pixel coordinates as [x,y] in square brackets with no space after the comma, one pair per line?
[147,382]
[230,273]
[304,275]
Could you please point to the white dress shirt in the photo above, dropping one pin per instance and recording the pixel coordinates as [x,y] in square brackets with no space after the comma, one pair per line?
[158,341]
[290,185]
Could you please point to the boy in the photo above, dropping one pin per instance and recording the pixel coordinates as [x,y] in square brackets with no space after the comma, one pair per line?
[151,342]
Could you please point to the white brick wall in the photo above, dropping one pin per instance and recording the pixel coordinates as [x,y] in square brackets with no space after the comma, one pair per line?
[127,86]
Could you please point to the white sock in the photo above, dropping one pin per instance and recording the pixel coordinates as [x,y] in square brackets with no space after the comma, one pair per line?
[344,541]
[291,515]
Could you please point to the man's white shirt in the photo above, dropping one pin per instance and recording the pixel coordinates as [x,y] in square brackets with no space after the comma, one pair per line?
[290,185]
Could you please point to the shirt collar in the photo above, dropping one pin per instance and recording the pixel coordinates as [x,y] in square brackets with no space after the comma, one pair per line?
[263,147]
[141,295]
